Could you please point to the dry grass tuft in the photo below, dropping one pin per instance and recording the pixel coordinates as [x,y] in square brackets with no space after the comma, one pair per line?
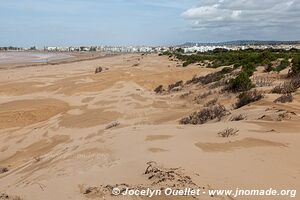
[211,102]
[3,170]
[239,117]
[159,89]
[205,115]
[285,98]
[4,196]
[288,86]
[112,125]
[262,81]
[98,70]
[228,132]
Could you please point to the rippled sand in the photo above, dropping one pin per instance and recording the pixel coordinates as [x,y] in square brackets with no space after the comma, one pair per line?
[58,131]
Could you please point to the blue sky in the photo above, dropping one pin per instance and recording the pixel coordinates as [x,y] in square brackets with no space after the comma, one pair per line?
[144,22]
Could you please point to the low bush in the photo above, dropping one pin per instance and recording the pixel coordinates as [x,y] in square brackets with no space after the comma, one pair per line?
[184,95]
[284,88]
[194,80]
[213,77]
[249,69]
[210,78]
[228,132]
[248,97]
[217,84]
[262,81]
[269,67]
[177,84]
[159,89]
[283,65]
[241,83]
[288,86]
[4,196]
[285,98]
[226,70]
[211,102]
[112,125]
[3,170]
[98,70]
[205,115]
[239,117]
[199,99]
[295,70]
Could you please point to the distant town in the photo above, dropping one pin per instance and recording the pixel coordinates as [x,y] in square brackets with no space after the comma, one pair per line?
[185,48]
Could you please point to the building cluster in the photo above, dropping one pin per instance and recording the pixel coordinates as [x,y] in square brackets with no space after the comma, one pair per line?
[150,49]
[112,49]
[205,48]
[11,48]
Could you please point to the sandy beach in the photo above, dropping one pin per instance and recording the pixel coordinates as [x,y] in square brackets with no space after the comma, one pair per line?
[68,133]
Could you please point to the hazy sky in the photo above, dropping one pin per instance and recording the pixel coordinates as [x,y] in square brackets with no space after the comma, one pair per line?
[149,22]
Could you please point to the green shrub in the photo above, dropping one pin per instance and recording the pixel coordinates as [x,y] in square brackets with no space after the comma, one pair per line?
[236,65]
[249,69]
[248,97]
[269,67]
[241,83]
[226,70]
[283,65]
[296,65]
[186,63]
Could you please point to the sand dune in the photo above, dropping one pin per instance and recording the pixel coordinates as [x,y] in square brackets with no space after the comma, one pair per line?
[64,129]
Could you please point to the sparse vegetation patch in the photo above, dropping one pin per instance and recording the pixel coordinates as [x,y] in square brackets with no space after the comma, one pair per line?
[205,115]
[285,98]
[239,117]
[248,97]
[228,132]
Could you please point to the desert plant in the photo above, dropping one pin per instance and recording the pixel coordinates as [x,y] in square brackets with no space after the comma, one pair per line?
[285,98]
[295,70]
[194,80]
[288,86]
[211,102]
[217,84]
[159,89]
[295,81]
[282,65]
[184,95]
[284,88]
[206,114]
[249,69]
[227,70]
[4,196]
[3,170]
[112,125]
[228,132]
[269,67]
[262,81]
[175,85]
[98,70]
[198,99]
[238,117]
[248,97]
[241,83]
